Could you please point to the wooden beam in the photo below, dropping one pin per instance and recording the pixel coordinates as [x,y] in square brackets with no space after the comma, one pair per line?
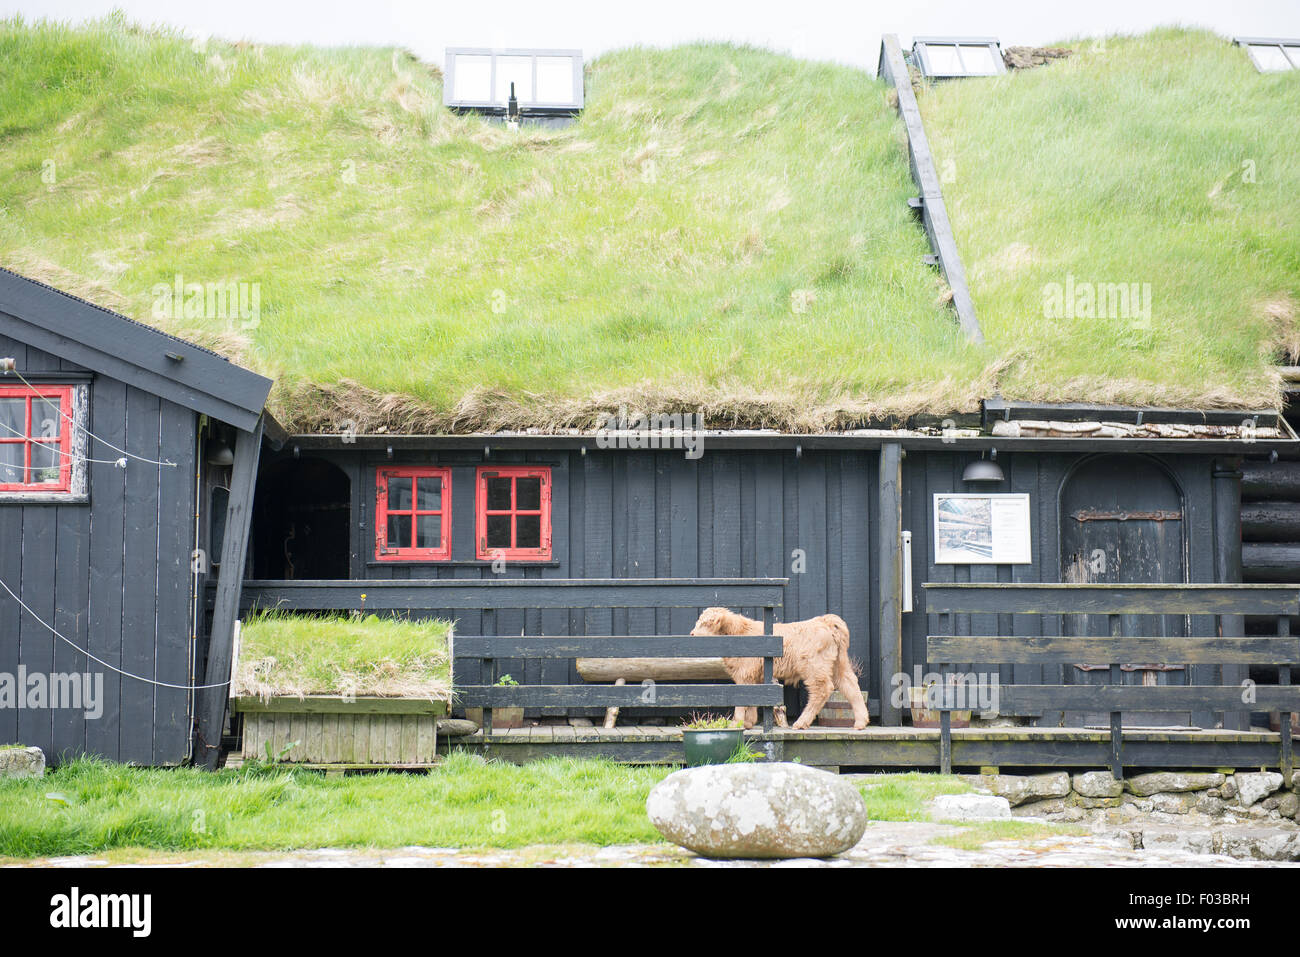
[890,565]
[1064,599]
[622,696]
[638,646]
[653,669]
[459,593]
[1066,650]
[1228,519]
[239,513]
[934,214]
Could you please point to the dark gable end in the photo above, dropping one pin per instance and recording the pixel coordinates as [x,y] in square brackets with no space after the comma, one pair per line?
[129,351]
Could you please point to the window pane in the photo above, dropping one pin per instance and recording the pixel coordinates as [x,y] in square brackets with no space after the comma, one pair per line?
[1269,58]
[399,531]
[428,531]
[555,79]
[943,59]
[498,531]
[47,418]
[473,75]
[498,494]
[529,531]
[11,462]
[45,462]
[978,59]
[13,418]
[528,493]
[519,71]
[430,495]
[399,493]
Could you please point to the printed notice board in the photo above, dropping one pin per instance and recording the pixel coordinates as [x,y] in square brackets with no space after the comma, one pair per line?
[981,529]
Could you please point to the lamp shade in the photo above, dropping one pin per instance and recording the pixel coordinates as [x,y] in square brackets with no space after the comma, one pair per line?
[982,470]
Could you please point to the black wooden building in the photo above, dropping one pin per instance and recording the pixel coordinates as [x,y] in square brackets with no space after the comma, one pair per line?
[109,432]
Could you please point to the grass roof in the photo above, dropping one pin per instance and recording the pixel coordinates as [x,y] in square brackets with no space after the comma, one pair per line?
[1163,160]
[723,229]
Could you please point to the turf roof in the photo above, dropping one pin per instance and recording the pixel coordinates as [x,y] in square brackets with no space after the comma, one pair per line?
[724,229]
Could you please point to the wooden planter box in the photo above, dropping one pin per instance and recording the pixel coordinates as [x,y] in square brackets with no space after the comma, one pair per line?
[332,730]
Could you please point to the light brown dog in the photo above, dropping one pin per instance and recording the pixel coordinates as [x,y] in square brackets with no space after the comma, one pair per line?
[816,652]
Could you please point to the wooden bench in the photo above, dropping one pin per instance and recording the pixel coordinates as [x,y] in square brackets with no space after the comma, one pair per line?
[1115,601]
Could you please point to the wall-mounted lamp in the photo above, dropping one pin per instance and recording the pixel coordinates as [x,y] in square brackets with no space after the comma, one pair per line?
[984,470]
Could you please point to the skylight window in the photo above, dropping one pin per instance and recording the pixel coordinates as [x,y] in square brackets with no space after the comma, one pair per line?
[544,81]
[948,57]
[1272,56]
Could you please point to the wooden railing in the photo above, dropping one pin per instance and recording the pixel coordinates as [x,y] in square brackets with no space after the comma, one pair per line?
[1115,601]
[581,594]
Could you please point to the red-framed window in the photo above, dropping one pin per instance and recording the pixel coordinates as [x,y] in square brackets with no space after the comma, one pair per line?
[412,513]
[35,438]
[513,512]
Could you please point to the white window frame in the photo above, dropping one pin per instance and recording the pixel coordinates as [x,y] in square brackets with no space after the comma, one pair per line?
[921,56]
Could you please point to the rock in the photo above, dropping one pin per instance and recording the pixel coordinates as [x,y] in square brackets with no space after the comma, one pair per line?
[1176,802]
[1229,790]
[1260,843]
[1048,806]
[1190,840]
[1026,58]
[969,807]
[1091,802]
[1141,804]
[456,727]
[1288,805]
[1210,805]
[1255,787]
[776,810]
[1144,785]
[22,763]
[1270,803]
[1018,789]
[1097,784]
[580,723]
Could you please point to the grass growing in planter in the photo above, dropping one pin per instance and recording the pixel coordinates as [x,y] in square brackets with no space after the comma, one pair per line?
[296,655]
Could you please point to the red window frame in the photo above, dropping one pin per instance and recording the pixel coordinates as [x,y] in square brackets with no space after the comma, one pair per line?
[28,439]
[481,512]
[385,551]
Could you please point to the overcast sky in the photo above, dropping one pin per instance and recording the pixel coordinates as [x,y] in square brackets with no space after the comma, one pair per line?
[848,31]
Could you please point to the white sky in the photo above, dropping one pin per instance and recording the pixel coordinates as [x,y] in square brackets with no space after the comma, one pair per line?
[840,30]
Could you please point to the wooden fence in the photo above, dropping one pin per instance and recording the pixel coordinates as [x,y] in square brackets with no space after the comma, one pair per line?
[1115,601]
[582,594]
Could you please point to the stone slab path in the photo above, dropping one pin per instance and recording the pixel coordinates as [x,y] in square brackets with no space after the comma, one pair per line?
[885,844]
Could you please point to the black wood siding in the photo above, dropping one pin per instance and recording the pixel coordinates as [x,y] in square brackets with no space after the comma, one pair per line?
[113,576]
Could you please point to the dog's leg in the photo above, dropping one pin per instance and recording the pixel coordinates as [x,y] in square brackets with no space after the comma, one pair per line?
[819,690]
[778,713]
[847,684]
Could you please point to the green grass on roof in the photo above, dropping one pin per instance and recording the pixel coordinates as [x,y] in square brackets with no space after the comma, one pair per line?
[724,228]
[1163,159]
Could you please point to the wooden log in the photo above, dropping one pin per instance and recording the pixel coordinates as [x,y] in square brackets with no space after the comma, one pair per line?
[1270,480]
[1270,561]
[654,669]
[1270,521]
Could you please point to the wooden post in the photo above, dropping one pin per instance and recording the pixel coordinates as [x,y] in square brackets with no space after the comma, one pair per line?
[1284,718]
[1227,569]
[611,714]
[1116,718]
[239,512]
[890,564]
[945,738]
[768,616]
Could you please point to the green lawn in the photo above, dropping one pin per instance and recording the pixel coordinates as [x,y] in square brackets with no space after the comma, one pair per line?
[90,807]
[285,654]
[1164,159]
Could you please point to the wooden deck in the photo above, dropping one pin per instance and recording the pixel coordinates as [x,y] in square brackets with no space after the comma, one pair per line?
[900,747]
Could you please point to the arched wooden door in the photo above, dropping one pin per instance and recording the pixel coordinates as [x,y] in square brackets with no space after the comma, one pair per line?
[1122,522]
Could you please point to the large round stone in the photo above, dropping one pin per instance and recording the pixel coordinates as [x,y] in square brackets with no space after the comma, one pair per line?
[758,810]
